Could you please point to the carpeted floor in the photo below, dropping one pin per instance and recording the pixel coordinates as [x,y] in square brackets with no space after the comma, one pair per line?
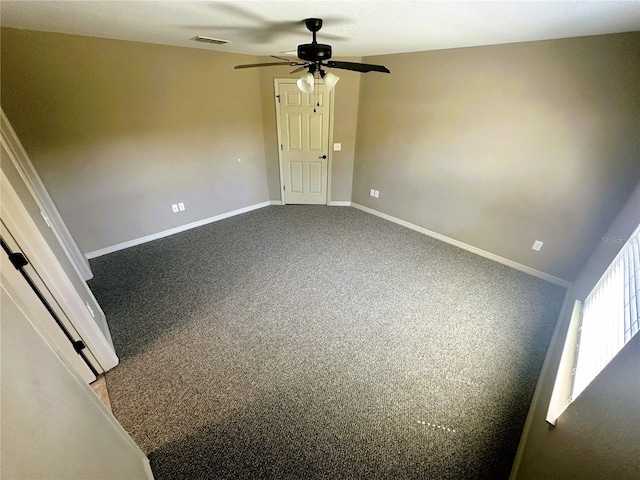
[306,342]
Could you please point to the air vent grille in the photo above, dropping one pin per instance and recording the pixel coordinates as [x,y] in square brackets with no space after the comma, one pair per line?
[215,41]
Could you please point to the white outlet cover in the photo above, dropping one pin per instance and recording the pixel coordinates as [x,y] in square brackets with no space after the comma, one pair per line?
[537,245]
[181,207]
[174,207]
[377,194]
[372,193]
[337,147]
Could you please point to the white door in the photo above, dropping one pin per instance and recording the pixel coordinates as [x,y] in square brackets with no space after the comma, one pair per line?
[303,133]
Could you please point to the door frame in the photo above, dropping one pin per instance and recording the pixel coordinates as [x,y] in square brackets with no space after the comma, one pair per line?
[276,84]
[53,278]
[31,298]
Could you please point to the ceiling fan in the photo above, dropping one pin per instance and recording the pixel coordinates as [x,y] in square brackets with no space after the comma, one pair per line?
[315,57]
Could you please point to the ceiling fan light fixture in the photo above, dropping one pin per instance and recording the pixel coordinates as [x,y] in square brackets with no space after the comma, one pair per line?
[330,79]
[305,83]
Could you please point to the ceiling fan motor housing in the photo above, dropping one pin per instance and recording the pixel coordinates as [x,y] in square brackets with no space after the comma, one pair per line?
[314,52]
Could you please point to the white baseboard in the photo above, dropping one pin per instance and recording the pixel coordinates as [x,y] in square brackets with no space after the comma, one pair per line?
[147,468]
[465,246]
[438,236]
[181,228]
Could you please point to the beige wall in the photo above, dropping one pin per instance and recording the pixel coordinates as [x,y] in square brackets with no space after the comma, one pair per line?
[119,131]
[598,436]
[53,425]
[346,98]
[493,146]
[499,146]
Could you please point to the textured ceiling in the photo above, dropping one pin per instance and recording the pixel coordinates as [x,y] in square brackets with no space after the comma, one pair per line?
[353,28]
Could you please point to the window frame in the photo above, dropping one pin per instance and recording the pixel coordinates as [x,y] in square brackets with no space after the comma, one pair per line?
[564,389]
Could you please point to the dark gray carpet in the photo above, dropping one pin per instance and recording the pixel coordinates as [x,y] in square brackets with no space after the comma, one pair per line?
[315,342]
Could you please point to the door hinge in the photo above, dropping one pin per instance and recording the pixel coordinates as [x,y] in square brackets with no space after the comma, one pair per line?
[278,97]
[281,147]
[18,260]
[284,187]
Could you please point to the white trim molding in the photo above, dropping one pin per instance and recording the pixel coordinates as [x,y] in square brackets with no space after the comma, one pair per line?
[561,393]
[330,203]
[26,234]
[465,246]
[38,191]
[180,229]
[331,95]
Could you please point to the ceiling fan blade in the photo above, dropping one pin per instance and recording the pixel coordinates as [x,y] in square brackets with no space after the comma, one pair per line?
[357,67]
[299,69]
[272,64]
[282,58]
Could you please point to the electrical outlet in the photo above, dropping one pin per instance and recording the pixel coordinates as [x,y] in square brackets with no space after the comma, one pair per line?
[174,207]
[181,207]
[537,245]
[376,193]
[372,193]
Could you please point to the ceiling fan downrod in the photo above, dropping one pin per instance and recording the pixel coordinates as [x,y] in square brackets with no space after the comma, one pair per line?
[313,25]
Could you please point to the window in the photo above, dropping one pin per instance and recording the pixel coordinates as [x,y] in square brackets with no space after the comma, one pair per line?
[600,326]
[609,315]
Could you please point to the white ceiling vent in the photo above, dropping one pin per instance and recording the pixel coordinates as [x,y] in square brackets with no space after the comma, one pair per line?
[215,41]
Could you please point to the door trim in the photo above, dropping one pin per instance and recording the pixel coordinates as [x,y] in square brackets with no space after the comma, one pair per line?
[44,314]
[31,242]
[276,85]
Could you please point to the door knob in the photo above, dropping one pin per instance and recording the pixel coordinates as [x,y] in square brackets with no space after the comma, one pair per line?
[323,156]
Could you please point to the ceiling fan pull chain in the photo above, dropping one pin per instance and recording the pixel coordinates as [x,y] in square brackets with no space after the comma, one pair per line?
[315,90]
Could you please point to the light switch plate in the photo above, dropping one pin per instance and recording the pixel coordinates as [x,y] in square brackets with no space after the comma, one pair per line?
[337,147]
[537,245]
